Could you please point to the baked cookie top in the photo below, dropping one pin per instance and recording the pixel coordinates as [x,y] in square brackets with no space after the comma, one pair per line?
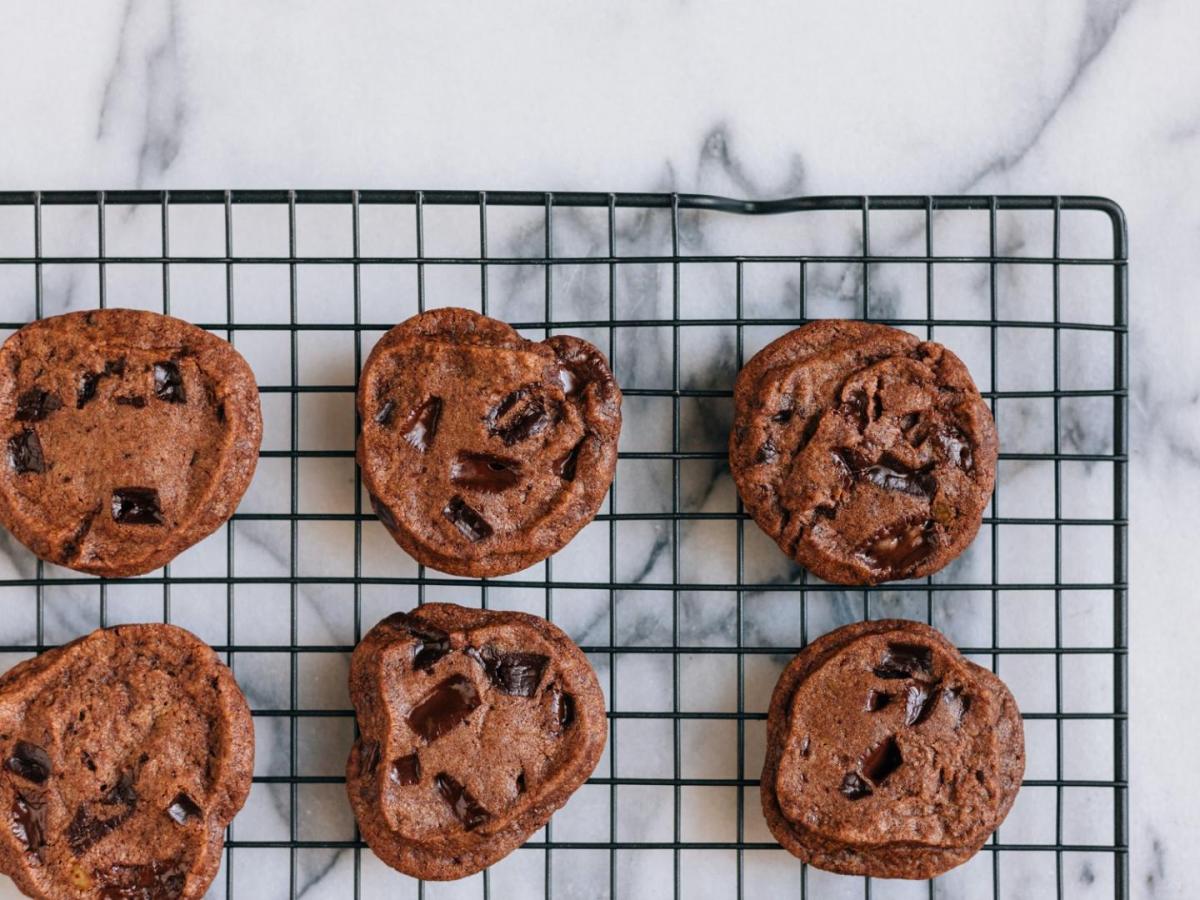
[889,754]
[484,452]
[125,755]
[866,453]
[129,436]
[475,726]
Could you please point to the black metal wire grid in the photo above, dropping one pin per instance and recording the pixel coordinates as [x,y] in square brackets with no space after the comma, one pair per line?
[684,215]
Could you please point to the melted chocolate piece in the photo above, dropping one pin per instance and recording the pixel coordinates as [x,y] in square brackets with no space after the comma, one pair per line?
[168,382]
[918,701]
[183,809]
[384,416]
[35,404]
[565,468]
[86,390]
[420,428]
[956,447]
[485,473]
[957,702]
[465,807]
[385,515]
[898,549]
[562,709]
[521,782]
[513,673]
[407,769]
[86,829]
[137,401]
[136,506]
[906,661]
[519,416]
[881,761]
[582,366]
[25,453]
[368,756]
[472,525]
[876,700]
[29,761]
[444,708]
[432,643]
[122,793]
[152,881]
[906,481]
[854,787]
[854,408]
[29,821]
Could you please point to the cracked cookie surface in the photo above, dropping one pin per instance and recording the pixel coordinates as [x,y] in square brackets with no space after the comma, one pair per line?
[474,727]
[888,753]
[483,452]
[867,454]
[130,436]
[126,753]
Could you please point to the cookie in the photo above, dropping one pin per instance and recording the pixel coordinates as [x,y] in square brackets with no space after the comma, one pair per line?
[888,753]
[483,452]
[129,436]
[474,727]
[126,753]
[865,453]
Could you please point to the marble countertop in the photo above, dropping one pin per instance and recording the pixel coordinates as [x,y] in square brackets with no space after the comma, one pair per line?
[1076,97]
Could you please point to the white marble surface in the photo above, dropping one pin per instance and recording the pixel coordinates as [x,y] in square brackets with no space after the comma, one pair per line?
[1080,97]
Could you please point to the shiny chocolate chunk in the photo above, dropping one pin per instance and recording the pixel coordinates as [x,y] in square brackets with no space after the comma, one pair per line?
[150,881]
[514,672]
[955,447]
[519,416]
[444,708]
[35,404]
[898,549]
[906,661]
[918,701]
[881,761]
[381,510]
[484,472]
[29,761]
[905,481]
[183,809]
[469,522]
[420,428]
[876,700]
[465,807]
[384,415]
[137,401]
[406,769]
[86,391]
[566,467]
[29,820]
[25,453]
[562,709]
[136,506]
[432,643]
[957,702]
[168,382]
[854,787]
[368,756]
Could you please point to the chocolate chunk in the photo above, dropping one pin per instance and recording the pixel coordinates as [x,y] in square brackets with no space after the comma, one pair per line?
[432,643]
[881,761]
[465,807]
[122,793]
[25,453]
[86,829]
[86,390]
[384,416]
[168,382]
[485,473]
[565,468]
[444,708]
[854,787]
[906,661]
[29,821]
[472,525]
[35,404]
[406,769]
[582,365]
[519,416]
[513,673]
[918,701]
[385,515]
[899,548]
[115,366]
[183,809]
[782,417]
[955,447]
[420,428]
[521,782]
[137,401]
[29,761]
[136,506]
[368,756]
[957,702]
[876,700]
[768,452]
[854,408]
[918,484]
[151,881]
[562,709]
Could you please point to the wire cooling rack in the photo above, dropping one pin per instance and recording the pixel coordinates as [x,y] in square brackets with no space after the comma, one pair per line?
[685,611]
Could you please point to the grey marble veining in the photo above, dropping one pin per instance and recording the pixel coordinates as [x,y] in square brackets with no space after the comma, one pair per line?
[1072,97]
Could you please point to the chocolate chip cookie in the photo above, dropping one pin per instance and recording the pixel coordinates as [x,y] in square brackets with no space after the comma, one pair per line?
[474,727]
[129,435]
[483,452]
[866,453]
[125,755]
[888,753]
